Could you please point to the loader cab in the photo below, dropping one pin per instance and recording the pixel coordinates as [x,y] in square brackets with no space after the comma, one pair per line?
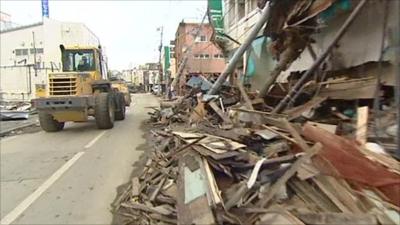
[82,60]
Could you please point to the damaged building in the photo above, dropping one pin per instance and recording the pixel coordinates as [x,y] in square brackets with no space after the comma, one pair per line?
[357,67]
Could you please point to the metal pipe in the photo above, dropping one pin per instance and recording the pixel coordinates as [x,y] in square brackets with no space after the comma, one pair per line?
[239,53]
[296,90]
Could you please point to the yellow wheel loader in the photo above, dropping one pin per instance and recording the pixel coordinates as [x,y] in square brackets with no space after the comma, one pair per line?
[81,90]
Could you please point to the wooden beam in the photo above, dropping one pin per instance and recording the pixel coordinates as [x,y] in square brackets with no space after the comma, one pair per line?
[246,98]
[362,124]
[221,114]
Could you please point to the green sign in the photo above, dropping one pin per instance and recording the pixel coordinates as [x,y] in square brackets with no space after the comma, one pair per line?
[167,62]
[216,17]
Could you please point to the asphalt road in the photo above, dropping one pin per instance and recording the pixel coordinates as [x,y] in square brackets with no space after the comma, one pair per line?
[70,177]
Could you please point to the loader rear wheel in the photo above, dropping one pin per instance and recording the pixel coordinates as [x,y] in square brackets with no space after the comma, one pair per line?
[104,111]
[120,112]
[48,123]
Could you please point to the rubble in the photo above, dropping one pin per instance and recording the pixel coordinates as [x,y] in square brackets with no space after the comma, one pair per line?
[267,169]
[15,110]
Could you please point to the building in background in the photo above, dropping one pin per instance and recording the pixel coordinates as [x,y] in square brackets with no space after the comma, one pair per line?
[204,57]
[29,53]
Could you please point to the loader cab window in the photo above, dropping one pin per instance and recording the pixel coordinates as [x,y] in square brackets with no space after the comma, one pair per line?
[78,60]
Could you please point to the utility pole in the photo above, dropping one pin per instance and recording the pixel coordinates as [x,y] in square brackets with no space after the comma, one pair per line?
[159,60]
[34,53]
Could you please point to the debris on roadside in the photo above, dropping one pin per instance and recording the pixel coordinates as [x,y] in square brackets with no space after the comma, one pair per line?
[15,110]
[214,163]
[316,148]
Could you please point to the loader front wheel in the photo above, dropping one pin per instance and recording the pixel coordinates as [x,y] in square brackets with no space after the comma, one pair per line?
[104,111]
[48,123]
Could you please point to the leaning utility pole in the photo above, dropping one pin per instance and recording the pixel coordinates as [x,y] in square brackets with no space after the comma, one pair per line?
[242,49]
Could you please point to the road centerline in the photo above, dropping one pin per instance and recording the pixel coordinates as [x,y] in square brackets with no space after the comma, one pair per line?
[94,140]
[17,211]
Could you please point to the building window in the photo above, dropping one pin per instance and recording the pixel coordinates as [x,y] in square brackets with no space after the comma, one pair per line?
[20,52]
[219,56]
[38,51]
[201,38]
[201,56]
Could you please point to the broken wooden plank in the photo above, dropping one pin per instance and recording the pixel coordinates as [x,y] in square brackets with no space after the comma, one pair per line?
[296,112]
[314,199]
[159,186]
[135,187]
[138,206]
[362,124]
[299,140]
[280,134]
[246,98]
[217,156]
[288,174]
[214,192]
[219,112]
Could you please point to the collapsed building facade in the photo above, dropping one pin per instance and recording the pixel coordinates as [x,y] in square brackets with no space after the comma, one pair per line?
[359,65]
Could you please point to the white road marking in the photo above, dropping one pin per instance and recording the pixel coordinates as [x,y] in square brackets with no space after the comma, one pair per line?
[91,143]
[15,213]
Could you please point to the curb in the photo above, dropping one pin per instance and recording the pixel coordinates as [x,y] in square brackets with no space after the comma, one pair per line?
[4,132]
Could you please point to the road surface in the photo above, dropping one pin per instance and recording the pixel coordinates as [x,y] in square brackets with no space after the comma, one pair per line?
[70,177]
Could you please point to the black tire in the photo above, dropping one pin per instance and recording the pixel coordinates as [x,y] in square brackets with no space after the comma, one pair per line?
[104,111]
[120,111]
[48,123]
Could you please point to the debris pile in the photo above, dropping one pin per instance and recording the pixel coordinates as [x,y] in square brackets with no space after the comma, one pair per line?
[15,110]
[317,147]
[253,167]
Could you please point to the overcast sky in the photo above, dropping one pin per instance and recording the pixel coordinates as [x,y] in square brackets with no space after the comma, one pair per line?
[127,29]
